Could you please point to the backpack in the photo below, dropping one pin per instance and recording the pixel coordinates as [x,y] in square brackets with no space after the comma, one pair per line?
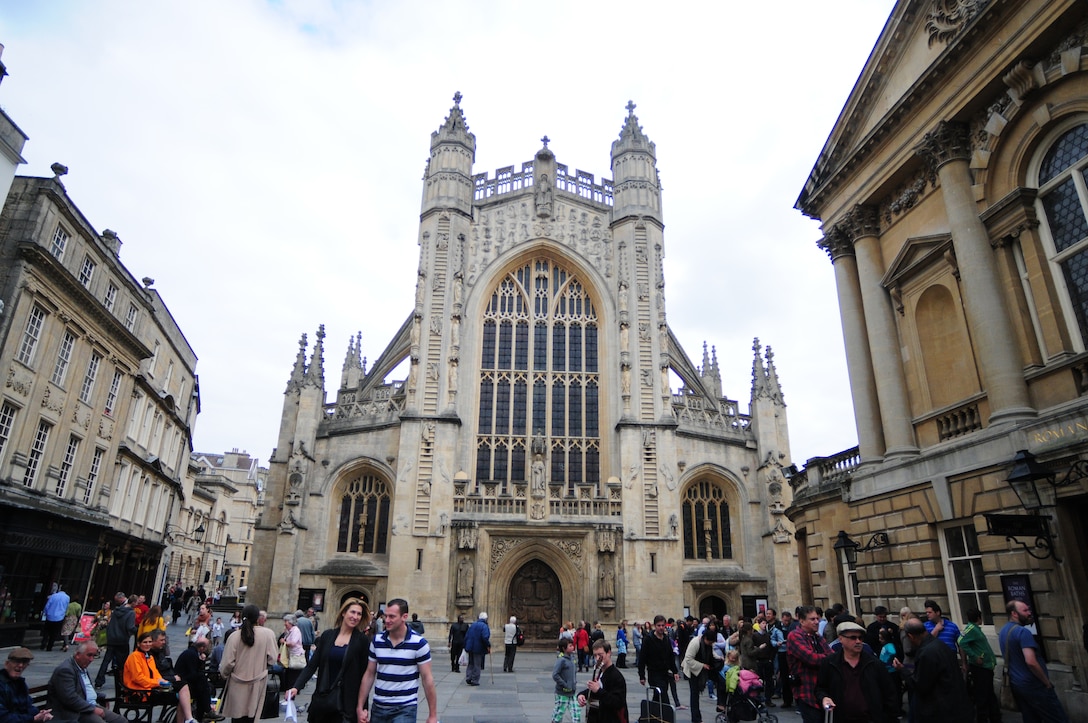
[519,636]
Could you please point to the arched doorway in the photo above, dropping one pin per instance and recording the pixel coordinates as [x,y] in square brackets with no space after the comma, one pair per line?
[712,605]
[536,599]
[353,593]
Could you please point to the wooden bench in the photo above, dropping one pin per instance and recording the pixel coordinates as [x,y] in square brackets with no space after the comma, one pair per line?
[139,706]
[39,696]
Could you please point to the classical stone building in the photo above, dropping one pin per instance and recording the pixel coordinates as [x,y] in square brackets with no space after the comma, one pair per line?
[955,212]
[551,451]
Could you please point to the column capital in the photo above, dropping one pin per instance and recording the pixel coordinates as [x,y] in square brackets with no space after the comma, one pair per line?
[863,220]
[836,243]
[949,141]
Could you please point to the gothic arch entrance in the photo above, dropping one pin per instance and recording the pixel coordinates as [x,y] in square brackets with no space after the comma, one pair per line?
[536,599]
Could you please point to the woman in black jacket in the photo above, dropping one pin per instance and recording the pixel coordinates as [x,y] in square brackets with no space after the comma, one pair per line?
[340,659]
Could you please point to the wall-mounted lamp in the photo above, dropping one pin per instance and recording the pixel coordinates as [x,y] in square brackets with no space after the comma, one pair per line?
[1024,479]
[173,533]
[850,549]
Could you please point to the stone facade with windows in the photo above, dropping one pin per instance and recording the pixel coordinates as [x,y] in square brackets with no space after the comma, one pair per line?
[955,213]
[533,441]
[94,433]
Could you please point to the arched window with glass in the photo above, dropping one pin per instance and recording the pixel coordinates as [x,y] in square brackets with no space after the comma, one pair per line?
[539,402]
[707,528]
[1063,198]
[364,515]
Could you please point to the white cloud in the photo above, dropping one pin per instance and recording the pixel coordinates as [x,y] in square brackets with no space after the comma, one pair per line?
[262,162]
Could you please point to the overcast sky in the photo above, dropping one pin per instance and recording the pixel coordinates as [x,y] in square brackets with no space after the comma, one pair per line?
[262,162]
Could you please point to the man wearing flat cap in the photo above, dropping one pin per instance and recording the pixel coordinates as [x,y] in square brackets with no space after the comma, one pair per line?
[15,705]
[854,683]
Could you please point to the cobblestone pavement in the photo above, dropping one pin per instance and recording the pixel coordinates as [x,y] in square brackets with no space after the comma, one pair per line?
[523,696]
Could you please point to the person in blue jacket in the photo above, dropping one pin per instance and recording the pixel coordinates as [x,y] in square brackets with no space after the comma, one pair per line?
[477,645]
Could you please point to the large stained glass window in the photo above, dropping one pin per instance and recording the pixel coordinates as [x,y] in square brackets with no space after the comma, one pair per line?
[539,380]
[707,531]
[364,516]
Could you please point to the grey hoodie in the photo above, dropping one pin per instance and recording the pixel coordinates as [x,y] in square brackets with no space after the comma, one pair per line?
[563,675]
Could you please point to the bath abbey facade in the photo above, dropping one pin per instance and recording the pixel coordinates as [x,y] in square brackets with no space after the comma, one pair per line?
[551,451]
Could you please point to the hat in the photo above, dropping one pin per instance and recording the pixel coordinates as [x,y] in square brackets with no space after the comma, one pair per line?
[20,654]
[847,626]
[483,616]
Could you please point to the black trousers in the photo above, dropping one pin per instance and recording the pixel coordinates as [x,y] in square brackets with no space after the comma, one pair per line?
[508,660]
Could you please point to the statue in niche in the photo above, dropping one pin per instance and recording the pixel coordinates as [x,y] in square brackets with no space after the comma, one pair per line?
[539,446]
[625,380]
[607,579]
[625,334]
[466,577]
[455,331]
[623,297]
[643,331]
[436,325]
[539,477]
[458,287]
[443,525]
[543,196]
[674,526]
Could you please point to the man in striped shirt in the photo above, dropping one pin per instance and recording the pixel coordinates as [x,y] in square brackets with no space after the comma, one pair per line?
[399,659]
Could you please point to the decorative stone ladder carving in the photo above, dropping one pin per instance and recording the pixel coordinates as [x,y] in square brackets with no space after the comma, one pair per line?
[650,491]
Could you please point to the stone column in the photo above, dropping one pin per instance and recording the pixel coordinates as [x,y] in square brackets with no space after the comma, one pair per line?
[948,150]
[862,227]
[859,362]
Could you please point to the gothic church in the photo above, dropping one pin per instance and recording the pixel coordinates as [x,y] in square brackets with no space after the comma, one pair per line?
[536,460]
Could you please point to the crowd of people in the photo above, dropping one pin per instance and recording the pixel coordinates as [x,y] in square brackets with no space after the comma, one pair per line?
[371,668]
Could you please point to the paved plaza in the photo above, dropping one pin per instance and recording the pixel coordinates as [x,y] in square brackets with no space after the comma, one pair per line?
[523,696]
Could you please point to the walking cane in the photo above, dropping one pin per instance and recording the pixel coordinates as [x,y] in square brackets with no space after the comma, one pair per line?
[491,666]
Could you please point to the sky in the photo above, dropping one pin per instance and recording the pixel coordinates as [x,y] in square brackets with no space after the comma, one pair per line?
[262,162]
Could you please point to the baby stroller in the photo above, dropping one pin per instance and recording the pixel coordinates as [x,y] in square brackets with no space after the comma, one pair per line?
[746,702]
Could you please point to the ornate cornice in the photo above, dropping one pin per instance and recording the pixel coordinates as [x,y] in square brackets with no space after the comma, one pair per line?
[948,18]
[949,141]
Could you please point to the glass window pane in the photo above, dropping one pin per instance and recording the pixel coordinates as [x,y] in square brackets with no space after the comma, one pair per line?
[559,347]
[971,539]
[487,360]
[1069,149]
[540,407]
[486,418]
[574,410]
[520,411]
[483,464]
[575,354]
[591,348]
[1075,270]
[506,341]
[591,410]
[502,407]
[954,538]
[559,409]
[961,575]
[521,358]
[1065,215]
[517,464]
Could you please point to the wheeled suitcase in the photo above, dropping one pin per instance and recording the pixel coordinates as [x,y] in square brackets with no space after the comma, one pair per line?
[656,711]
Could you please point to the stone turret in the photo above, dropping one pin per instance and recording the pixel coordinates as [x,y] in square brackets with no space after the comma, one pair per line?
[636,186]
[447,182]
[354,367]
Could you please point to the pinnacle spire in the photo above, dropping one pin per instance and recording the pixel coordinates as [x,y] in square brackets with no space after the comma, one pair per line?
[298,373]
[632,138]
[759,375]
[315,374]
[774,389]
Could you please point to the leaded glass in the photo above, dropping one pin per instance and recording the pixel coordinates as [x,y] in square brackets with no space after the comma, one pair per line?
[1065,215]
[1069,149]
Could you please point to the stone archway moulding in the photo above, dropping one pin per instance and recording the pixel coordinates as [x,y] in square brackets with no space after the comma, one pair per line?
[566,556]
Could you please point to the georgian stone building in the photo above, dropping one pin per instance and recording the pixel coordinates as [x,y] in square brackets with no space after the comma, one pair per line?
[953,199]
[96,410]
[551,452]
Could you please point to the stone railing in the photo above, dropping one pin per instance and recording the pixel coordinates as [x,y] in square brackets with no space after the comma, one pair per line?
[959,421]
[381,403]
[698,412]
[507,180]
[512,498]
[821,472]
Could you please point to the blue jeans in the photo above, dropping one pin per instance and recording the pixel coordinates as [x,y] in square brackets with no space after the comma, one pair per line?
[1039,705]
[392,713]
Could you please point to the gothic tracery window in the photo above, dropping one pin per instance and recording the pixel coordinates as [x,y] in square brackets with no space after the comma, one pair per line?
[364,516]
[539,379]
[1063,195]
[707,531]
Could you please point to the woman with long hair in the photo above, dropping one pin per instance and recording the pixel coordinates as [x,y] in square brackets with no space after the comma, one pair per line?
[153,620]
[340,659]
[246,658]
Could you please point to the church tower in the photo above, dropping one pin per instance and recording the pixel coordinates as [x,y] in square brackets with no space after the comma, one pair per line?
[552,452]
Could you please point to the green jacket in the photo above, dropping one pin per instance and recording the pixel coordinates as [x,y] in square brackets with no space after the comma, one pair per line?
[976,648]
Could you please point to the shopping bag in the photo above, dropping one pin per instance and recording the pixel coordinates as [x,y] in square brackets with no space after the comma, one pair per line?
[290,713]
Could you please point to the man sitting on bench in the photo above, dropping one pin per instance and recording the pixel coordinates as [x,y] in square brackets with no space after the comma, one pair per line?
[72,693]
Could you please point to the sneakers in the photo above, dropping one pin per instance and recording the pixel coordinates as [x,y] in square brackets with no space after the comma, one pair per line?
[214,717]
[681,707]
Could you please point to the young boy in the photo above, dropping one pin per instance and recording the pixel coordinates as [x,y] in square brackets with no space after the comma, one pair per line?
[563,675]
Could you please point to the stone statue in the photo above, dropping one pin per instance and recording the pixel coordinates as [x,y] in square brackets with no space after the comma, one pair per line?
[674,525]
[543,196]
[466,577]
[608,579]
[538,476]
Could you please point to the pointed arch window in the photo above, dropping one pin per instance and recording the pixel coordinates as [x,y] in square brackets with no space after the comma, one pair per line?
[364,516]
[539,379]
[707,530]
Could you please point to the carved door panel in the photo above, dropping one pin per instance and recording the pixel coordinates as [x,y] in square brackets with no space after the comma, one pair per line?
[536,599]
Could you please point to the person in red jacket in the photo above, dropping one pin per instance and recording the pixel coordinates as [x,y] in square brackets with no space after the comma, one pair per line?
[581,644]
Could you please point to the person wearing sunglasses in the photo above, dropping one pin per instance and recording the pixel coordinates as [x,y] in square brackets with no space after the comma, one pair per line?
[854,683]
[15,705]
[71,692]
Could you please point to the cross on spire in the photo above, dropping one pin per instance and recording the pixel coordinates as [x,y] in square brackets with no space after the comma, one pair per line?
[457,98]
[630,107]
[545,140]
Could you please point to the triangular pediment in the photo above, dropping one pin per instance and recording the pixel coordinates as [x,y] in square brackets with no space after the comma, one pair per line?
[896,76]
[916,254]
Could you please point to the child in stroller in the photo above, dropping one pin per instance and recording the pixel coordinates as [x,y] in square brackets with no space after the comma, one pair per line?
[744,698]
